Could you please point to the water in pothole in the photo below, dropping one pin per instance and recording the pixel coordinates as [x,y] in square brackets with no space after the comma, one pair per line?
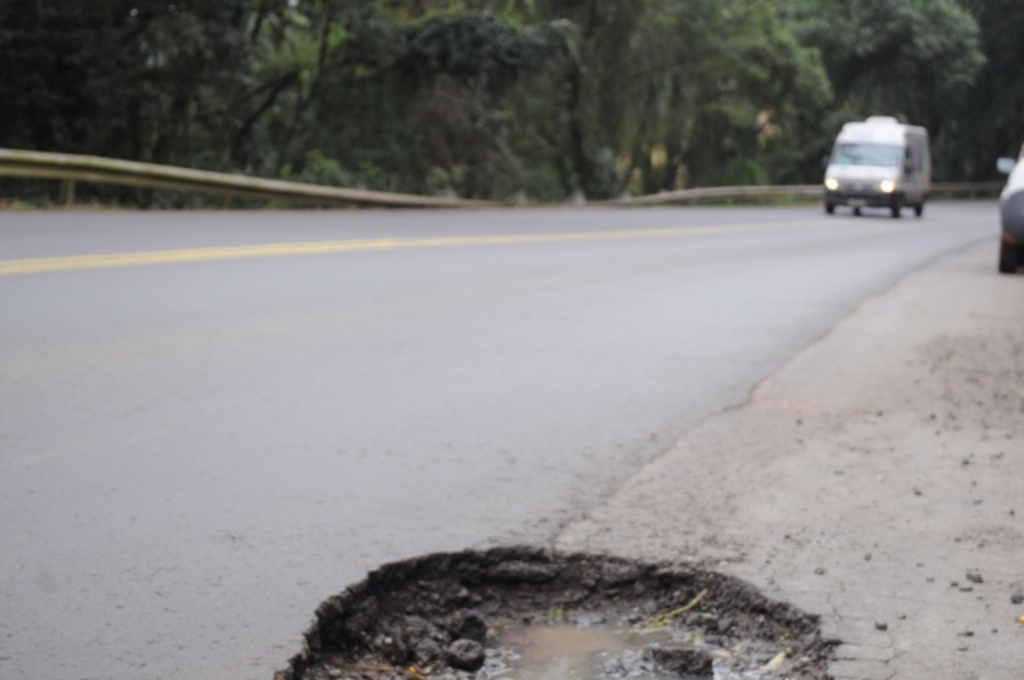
[569,652]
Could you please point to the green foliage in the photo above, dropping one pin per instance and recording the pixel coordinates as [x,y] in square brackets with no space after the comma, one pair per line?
[915,59]
[990,121]
[427,95]
[469,47]
[169,83]
[490,98]
[744,172]
[318,169]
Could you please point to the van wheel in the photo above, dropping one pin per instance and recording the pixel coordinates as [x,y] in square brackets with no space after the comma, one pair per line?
[830,208]
[1009,258]
[896,208]
[856,211]
[919,209]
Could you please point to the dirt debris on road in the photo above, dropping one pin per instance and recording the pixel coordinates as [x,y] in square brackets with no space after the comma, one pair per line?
[482,614]
[876,480]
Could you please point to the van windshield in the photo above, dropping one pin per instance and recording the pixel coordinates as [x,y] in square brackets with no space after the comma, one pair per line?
[882,155]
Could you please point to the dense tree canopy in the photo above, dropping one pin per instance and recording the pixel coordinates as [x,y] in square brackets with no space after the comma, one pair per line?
[916,59]
[488,98]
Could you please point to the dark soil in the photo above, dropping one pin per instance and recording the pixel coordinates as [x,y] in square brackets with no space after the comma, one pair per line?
[440,616]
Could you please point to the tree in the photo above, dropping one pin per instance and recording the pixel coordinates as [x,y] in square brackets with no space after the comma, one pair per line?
[422,101]
[489,97]
[164,82]
[915,59]
[990,119]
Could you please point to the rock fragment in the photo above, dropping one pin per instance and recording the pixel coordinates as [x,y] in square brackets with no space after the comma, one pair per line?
[466,655]
[685,662]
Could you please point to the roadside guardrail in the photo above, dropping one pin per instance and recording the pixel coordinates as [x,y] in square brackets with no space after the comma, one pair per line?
[70,169]
[724,194]
[967,189]
[972,190]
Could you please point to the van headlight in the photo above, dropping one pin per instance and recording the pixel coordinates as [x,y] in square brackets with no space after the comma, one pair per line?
[831,183]
[887,186]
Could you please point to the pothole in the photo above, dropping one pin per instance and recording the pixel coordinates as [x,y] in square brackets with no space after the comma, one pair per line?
[524,613]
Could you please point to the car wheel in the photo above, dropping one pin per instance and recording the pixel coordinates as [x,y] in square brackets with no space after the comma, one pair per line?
[830,208]
[919,209]
[1009,258]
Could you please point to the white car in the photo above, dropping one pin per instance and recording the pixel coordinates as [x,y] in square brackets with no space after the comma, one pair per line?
[1011,215]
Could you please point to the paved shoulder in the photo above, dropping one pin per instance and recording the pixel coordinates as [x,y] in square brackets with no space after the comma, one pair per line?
[876,481]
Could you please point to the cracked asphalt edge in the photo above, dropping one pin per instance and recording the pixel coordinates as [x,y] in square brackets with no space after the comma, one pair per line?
[875,480]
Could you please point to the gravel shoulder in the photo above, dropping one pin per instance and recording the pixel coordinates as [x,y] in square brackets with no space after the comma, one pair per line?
[876,480]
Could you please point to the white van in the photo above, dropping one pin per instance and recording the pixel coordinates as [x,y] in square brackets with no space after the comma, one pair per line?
[879,163]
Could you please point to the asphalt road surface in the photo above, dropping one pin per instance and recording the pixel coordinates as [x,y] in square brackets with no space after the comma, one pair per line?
[210,422]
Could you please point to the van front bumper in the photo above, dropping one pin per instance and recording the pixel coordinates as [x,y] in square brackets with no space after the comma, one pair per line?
[862,198]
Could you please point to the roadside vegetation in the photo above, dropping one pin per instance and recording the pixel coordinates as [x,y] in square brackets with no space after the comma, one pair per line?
[501,98]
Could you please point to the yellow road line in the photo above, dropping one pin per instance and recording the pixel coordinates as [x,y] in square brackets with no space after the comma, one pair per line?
[110,260]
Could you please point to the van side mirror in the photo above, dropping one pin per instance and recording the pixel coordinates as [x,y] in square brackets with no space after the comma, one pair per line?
[1006,165]
[824,162]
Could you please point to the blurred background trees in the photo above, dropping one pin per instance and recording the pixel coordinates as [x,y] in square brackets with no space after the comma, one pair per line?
[495,98]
